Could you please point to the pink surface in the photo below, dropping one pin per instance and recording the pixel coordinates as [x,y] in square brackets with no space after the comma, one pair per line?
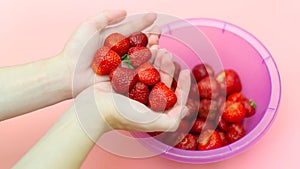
[32,30]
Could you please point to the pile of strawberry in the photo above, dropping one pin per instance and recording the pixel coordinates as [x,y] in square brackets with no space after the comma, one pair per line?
[125,60]
[216,111]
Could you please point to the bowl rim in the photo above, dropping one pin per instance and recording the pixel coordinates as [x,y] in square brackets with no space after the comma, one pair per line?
[201,157]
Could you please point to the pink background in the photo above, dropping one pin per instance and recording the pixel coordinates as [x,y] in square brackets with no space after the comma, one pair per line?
[33,29]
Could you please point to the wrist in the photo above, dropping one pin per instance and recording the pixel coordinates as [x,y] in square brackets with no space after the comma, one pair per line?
[57,70]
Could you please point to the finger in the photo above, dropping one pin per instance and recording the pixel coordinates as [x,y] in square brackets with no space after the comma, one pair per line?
[107,17]
[167,69]
[136,25]
[183,87]
[154,50]
[103,86]
[158,57]
[153,36]
[101,78]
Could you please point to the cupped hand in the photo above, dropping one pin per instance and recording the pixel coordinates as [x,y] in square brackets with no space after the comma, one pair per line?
[79,51]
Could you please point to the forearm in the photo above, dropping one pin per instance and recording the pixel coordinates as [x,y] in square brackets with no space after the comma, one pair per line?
[65,146]
[29,87]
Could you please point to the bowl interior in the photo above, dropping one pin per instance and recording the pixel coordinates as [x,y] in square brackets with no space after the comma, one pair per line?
[225,47]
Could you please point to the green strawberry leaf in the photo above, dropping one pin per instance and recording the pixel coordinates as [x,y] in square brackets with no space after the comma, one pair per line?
[252,104]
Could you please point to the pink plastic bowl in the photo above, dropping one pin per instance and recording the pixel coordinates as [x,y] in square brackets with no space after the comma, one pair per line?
[238,50]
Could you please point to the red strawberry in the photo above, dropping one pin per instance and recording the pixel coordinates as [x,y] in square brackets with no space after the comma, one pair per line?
[138,39]
[202,70]
[208,109]
[148,74]
[229,82]
[139,55]
[222,124]
[235,132]
[233,111]
[209,139]
[118,43]
[250,107]
[105,60]
[174,85]
[189,142]
[223,139]
[235,97]
[201,124]
[192,106]
[123,79]
[161,97]
[140,92]
[208,88]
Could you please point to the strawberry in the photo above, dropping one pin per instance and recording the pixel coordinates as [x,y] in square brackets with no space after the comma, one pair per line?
[233,111]
[201,124]
[202,70]
[222,124]
[235,132]
[140,92]
[208,109]
[118,43]
[174,85]
[237,96]
[209,139]
[208,88]
[192,106]
[105,60]
[138,39]
[229,82]
[161,97]
[189,142]
[139,55]
[123,79]
[148,74]
[223,139]
[250,107]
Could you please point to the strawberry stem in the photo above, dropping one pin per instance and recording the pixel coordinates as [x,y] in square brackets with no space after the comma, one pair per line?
[252,104]
[129,65]
[125,57]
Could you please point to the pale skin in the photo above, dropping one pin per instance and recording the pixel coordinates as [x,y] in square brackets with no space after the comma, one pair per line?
[33,86]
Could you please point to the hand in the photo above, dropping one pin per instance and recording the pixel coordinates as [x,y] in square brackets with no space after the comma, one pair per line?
[78,53]
[115,111]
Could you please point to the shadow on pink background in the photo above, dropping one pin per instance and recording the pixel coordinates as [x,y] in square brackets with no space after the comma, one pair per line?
[32,30]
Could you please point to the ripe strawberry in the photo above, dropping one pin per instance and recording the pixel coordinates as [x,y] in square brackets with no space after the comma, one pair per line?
[208,88]
[229,82]
[235,97]
[208,109]
[140,92]
[202,70]
[235,132]
[192,106]
[139,55]
[189,142]
[138,39]
[223,139]
[123,79]
[209,139]
[222,124]
[118,43]
[201,124]
[233,111]
[148,74]
[250,108]
[161,97]
[105,60]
